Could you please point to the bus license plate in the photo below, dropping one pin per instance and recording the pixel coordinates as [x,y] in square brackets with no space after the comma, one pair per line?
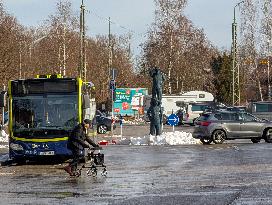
[47,153]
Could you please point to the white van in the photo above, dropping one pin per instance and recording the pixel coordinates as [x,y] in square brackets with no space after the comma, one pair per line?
[193,111]
[174,103]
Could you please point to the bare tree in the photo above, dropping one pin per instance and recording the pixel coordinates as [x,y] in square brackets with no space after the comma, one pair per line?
[256,33]
[11,37]
[249,47]
[178,48]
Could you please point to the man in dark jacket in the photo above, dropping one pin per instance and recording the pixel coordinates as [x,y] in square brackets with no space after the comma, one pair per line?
[77,142]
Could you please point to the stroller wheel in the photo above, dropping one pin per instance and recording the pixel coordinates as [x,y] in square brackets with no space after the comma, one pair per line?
[104,173]
[92,172]
[78,173]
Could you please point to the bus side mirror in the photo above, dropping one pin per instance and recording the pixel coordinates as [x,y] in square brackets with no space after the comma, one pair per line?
[86,102]
[3,99]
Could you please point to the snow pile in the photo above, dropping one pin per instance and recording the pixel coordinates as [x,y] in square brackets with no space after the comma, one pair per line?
[134,122]
[145,140]
[166,138]
[3,136]
[173,138]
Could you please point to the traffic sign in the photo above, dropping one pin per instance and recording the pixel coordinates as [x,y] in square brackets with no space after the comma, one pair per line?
[173,120]
[112,84]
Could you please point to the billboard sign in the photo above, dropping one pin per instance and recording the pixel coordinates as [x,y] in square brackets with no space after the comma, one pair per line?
[129,100]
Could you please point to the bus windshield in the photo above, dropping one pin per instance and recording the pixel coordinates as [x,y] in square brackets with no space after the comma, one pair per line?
[44,112]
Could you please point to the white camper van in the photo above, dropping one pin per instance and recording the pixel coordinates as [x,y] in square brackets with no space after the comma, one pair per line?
[173,103]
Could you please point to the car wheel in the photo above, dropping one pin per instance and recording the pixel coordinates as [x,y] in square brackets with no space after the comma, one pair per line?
[206,141]
[218,136]
[102,129]
[268,135]
[255,140]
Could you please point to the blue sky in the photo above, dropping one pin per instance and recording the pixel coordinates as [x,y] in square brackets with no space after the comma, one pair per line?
[214,16]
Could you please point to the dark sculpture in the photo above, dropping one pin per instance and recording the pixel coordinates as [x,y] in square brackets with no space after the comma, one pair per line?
[155,115]
[155,111]
[158,79]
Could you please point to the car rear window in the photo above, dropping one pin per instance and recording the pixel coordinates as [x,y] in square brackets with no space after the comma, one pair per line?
[222,116]
[203,117]
[218,116]
[225,116]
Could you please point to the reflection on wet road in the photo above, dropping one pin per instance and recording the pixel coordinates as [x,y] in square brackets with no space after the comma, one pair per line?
[193,174]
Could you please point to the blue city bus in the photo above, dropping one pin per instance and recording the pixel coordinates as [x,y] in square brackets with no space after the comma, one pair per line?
[42,113]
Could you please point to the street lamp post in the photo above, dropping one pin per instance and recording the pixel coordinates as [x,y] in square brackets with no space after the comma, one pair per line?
[268,71]
[235,66]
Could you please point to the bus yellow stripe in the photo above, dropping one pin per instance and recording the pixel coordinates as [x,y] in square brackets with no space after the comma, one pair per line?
[40,140]
[79,100]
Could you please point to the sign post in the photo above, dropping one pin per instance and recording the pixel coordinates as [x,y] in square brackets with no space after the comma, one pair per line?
[112,89]
[173,120]
[121,125]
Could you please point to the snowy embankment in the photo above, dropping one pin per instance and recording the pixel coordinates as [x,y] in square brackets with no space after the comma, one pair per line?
[166,138]
[3,138]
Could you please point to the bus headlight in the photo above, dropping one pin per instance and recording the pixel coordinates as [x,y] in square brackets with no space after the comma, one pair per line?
[16,147]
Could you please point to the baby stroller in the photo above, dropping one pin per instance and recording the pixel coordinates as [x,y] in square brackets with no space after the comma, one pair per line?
[92,161]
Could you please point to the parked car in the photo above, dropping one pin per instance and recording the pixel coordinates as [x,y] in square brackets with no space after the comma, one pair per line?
[103,122]
[228,125]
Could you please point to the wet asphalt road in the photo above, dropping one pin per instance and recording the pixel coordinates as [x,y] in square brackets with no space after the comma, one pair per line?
[232,173]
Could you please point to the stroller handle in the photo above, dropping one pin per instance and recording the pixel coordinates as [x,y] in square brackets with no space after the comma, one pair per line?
[95,148]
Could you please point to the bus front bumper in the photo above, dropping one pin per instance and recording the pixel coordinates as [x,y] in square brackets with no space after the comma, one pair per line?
[28,150]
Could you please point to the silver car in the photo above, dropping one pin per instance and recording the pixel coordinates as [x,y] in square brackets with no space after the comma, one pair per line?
[226,125]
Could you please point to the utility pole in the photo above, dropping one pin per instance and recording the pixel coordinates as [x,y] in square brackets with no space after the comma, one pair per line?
[82,67]
[109,78]
[64,48]
[235,66]
[110,50]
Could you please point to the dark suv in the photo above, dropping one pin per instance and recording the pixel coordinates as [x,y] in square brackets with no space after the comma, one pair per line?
[228,125]
[103,122]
